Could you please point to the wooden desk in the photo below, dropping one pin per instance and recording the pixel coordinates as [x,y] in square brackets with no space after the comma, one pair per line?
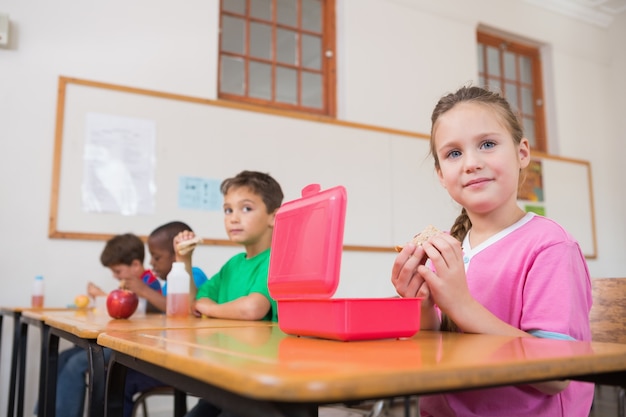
[82,328]
[263,372]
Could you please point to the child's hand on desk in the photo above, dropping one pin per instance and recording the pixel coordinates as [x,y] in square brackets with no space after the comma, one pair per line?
[202,307]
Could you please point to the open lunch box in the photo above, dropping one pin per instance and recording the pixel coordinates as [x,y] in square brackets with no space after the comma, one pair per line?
[304,272]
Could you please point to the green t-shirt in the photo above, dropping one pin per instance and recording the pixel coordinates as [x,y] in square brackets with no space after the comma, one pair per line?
[240,277]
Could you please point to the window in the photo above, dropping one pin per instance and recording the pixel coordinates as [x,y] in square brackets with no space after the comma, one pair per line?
[514,69]
[278,53]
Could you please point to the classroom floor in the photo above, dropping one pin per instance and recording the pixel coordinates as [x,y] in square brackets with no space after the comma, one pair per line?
[605,402]
[605,405]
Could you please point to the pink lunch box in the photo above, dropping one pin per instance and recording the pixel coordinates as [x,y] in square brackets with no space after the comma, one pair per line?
[304,270]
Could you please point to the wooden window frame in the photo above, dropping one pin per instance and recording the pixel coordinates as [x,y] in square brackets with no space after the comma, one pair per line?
[328,62]
[533,53]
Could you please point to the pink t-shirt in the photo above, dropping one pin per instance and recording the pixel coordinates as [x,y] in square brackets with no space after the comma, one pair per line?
[532,275]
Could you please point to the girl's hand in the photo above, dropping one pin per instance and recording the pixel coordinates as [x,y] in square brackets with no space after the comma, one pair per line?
[409,282]
[405,275]
[448,285]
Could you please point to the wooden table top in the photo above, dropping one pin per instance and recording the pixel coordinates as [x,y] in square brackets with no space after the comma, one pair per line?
[265,363]
[88,324]
[23,309]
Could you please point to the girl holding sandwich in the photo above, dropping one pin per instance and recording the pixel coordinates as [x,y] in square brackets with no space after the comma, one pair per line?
[499,270]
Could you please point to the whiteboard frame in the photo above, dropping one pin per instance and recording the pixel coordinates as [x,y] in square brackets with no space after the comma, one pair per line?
[55,233]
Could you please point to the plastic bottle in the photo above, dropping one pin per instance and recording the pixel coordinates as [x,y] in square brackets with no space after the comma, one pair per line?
[37,294]
[177,299]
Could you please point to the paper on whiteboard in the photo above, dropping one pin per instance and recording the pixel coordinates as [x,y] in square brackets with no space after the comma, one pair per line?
[119,164]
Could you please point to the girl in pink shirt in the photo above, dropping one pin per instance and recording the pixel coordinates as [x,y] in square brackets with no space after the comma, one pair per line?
[499,270]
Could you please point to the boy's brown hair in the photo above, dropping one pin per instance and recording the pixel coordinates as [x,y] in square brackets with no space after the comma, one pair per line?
[259,183]
[123,250]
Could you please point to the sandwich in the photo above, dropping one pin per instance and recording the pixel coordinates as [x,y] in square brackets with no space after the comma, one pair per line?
[186,246]
[422,236]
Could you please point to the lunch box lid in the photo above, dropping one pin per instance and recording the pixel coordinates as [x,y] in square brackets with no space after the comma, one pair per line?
[307,243]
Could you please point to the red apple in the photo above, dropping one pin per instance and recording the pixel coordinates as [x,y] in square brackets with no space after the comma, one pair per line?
[121,304]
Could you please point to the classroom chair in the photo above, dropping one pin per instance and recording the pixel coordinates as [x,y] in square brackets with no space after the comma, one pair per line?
[180,400]
[608,319]
[376,408]
[380,408]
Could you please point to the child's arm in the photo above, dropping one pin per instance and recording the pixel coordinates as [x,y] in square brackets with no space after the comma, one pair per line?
[94,291]
[448,286]
[250,307]
[141,289]
[185,256]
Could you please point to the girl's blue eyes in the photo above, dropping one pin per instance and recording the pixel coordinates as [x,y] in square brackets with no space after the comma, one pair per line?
[488,144]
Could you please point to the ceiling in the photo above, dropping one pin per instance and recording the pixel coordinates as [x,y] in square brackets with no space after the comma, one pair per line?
[598,12]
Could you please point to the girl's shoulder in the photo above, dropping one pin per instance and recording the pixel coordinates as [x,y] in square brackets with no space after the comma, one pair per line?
[549,227]
[542,232]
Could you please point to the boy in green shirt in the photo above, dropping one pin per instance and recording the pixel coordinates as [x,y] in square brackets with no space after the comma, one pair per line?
[239,290]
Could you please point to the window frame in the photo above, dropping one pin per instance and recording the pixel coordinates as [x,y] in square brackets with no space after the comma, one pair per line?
[327,70]
[534,54]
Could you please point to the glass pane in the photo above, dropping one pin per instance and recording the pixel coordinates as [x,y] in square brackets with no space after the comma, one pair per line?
[493,61]
[312,52]
[286,46]
[233,34]
[509,66]
[481,61]
[481,82]
[510,93]
[312,15]
[235,6]
[260,40]
[286,85]
[261,9]
[494,85]
[311,90]
[527,101]
[232,75]
[529,131]
[526,70]
[287,12]
[260,80]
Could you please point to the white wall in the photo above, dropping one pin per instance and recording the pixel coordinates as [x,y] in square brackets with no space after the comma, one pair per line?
[395,59]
